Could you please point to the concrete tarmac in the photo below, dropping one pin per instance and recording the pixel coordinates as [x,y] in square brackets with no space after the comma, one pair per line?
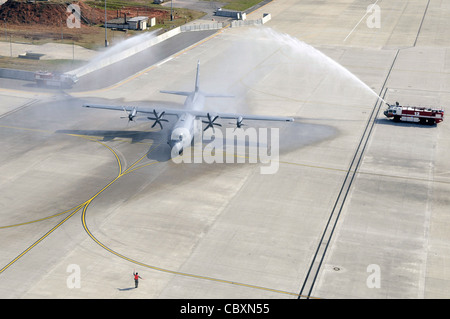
[356,209]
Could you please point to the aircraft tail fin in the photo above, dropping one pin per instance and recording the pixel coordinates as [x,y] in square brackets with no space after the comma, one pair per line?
[197,80]
[197,88]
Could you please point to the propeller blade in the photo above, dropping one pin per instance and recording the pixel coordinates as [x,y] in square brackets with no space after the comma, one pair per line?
[238,123]
[133,114]
[158,119]
[211,122]
[130,115]
[157,122]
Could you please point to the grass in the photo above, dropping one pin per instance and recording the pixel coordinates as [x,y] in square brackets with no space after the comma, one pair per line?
[87,37]
[60,65]
[90,37]
[240,5]
[119,4]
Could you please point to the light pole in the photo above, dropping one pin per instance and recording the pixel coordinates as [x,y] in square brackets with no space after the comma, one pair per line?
[106,27]
[171,10]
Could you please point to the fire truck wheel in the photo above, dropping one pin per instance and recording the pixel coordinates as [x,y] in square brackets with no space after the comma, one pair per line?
[396,118]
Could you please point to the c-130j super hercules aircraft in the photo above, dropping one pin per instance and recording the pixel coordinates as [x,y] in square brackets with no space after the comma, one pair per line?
[186,126]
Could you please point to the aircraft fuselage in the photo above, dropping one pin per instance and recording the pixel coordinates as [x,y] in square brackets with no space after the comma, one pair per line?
[185,128]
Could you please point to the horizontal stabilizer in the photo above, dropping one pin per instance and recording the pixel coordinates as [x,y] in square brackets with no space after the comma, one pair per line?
[216,95]
[177,92]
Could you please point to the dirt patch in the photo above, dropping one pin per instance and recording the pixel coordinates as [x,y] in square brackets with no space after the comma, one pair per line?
[40,22]
[48,14]
[55,14]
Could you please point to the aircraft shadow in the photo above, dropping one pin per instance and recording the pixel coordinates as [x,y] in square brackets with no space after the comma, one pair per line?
[292,136]
[158,138]
[126,289]
[109,135]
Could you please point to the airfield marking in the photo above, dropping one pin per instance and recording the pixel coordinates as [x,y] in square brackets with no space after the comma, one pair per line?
[134,167]
[76,209]
[86,228]
[129,170]
[42,219]
[85,206]
[40,239]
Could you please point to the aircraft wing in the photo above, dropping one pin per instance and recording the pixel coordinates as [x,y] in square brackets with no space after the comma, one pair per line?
[237,116]
[138,109]
[202,114]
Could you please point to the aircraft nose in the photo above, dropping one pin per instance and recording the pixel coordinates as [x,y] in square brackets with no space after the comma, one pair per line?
[177,149]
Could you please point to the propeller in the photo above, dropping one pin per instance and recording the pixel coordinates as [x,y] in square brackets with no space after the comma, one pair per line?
[130,115]
[239,122]
[211,123]
[158,118]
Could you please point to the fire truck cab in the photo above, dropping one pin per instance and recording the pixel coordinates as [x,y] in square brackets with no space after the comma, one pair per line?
[422,115]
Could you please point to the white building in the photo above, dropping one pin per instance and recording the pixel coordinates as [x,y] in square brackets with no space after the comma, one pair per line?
[138,23]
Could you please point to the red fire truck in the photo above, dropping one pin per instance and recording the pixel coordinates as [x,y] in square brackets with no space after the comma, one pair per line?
[422,115]
[62,80]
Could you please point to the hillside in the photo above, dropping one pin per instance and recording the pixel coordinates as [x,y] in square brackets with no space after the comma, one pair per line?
[42,13]
[46,21]
[54,13]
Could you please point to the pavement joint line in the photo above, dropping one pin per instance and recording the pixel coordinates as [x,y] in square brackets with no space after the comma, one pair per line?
[42,219]
[40,239]
[351,176]
[130,169]
[84,208]
[86,228]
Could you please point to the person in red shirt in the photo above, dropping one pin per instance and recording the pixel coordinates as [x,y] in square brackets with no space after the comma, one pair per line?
[136,279]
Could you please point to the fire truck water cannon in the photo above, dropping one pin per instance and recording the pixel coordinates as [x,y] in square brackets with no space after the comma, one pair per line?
[55,79]
[422,115]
